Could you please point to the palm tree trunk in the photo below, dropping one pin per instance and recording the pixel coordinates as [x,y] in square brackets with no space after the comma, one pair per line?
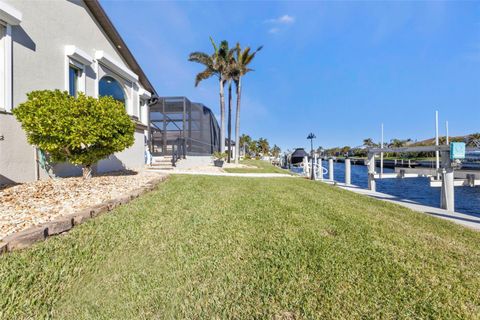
[229,121]
[222,117]
[237,121]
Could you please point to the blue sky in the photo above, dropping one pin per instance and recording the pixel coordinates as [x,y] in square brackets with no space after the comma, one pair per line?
[338,69]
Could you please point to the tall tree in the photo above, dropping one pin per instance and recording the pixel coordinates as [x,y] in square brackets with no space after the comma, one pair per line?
[473,140]
[245,141]
[242,60]
[396,143]
[215,65]
[275,151]
[253,148]
[229,74]
[264,146]
[368,142]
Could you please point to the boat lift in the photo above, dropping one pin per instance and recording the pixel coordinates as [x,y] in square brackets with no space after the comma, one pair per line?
[444,177]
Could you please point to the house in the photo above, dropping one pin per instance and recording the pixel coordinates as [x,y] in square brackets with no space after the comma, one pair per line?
[232,148]
[70,45]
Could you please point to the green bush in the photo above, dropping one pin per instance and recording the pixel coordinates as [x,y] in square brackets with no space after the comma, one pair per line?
[217,155]
[81,130]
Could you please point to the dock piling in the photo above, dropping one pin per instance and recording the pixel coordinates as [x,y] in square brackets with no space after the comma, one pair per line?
[306,170]
[348,172]
[371,172]
[447,200]
[330,169]
[320,169]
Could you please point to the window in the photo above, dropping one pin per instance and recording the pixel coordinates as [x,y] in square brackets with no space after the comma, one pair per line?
[77,63]
[73,75]
[108,86]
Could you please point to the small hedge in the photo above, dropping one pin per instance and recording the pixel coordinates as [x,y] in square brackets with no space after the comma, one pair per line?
[81,130]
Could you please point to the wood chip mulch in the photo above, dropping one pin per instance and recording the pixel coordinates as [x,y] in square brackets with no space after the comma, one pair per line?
[29,204]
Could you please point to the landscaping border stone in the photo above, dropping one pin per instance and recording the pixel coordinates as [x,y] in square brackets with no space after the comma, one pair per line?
[26,238]
[3,247]
[59,226]
[81,216]
[99,209]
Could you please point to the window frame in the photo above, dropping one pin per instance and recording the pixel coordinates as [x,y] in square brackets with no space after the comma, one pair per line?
[78,73]
[6,102]
[79,60]
[105,65]
[9,16]
[81,79]
[119,81]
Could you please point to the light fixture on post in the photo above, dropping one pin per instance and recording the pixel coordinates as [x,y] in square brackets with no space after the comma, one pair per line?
[312,136]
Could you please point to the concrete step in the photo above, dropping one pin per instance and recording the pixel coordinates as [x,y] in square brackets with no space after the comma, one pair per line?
[161,165]
[159,168]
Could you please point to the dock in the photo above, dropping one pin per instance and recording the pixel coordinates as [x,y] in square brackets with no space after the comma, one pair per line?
[470,221]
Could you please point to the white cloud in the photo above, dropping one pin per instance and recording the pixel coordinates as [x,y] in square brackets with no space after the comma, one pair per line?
[279,24]
[285,19]
[274,30]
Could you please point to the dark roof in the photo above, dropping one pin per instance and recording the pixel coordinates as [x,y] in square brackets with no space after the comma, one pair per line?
[300,153]
[112,33]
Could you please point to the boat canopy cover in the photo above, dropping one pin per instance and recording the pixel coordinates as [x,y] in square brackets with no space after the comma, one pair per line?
[299,153]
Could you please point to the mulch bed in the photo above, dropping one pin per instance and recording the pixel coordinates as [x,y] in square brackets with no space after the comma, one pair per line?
[29,204]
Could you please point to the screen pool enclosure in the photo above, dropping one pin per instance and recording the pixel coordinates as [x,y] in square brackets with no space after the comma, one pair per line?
[179,125]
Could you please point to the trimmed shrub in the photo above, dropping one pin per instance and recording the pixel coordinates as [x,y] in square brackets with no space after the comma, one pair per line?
[81,130]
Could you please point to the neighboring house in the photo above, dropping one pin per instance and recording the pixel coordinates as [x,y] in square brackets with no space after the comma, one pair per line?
[73,46]
[232,148]
[175,120]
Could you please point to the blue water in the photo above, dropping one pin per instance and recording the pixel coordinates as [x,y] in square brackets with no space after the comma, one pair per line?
[467,200]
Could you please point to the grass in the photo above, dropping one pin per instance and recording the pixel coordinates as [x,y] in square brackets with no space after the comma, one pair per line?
[239,248]
[260,166]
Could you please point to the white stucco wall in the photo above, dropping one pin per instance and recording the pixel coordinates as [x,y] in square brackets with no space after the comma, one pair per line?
[131,159]
[40,39]
[16,155]
[39,62]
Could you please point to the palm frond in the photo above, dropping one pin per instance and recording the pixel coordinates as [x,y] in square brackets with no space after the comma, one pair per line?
[244,55]
[200,57]
[205,74]
[215,49]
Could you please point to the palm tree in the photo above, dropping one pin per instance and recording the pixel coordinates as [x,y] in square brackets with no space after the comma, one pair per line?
[275,151]
[264,146]
[242,59]
[473,140]
[253,148]
[368,142]
[245,141]
[397,143]
[229,74]
[215,65]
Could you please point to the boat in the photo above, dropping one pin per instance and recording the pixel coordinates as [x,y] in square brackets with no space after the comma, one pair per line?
[472,160]
[297,156]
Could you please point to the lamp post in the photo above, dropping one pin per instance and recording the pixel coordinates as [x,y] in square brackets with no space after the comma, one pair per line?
[312,136]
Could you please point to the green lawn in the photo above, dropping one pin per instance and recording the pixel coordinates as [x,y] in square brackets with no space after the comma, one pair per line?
[223,247]
[260,167]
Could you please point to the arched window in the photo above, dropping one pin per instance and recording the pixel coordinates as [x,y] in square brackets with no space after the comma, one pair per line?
[108,86]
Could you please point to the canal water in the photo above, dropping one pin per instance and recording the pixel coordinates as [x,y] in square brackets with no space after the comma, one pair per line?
[467,200]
